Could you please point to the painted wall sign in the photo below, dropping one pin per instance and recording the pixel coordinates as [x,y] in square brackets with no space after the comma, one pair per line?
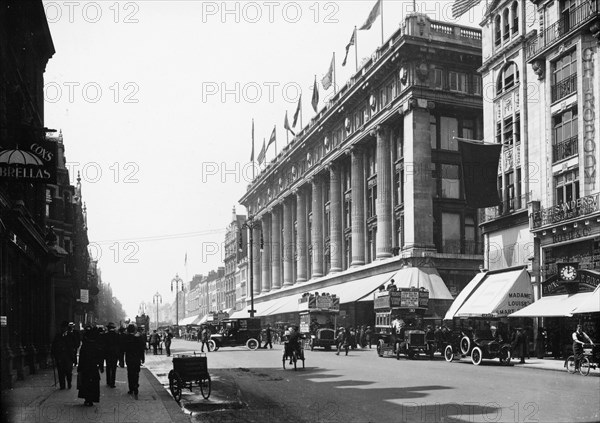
[567,210]
[589,116]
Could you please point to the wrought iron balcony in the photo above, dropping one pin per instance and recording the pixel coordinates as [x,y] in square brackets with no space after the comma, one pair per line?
[585,12]
[564,149]
[508,206]
[564,88]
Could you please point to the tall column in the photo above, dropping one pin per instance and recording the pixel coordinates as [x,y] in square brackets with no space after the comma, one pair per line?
[317,227]
[275,248]
[418,205]
[384,194]
[301,247]
[358,207]
[256,261]
[335,213]
[266,253]
[288,247]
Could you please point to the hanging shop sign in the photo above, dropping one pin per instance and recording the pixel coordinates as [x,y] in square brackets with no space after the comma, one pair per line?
[29,161]
[84,296]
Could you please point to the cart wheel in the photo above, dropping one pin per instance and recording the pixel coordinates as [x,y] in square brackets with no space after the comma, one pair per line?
[476,356]
[570,364]
[212,345]
[205,387]
[465,345]
[505,356]
[252,344]
[449,353]
[584,366]
[380,348]
[176,385]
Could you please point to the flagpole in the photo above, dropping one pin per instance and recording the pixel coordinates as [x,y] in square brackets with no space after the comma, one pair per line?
[334,84]
[355,49]
[275,141]
[253,175]
[301,125]
[381,8]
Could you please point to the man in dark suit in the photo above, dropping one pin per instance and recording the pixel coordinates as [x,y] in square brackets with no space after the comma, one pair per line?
[62,352]
[135,349]
[111,353]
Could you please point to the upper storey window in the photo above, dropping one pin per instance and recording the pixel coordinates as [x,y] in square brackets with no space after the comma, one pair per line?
[506,24]
[508,78]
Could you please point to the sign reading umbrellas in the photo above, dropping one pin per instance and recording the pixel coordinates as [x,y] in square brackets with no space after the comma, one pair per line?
[35,161]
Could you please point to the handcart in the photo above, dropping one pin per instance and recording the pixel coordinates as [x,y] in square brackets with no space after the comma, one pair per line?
[188,369]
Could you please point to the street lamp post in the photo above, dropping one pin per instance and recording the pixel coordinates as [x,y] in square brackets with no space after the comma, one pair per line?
[250,224]
[157,297]
[176,279]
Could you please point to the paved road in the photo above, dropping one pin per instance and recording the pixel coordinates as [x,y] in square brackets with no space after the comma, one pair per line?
[365,388]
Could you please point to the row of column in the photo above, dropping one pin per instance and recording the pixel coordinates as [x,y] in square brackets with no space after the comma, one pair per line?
[271,271]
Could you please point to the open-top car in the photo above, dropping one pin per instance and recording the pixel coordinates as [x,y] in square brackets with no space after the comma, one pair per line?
[481,345]
[235,333]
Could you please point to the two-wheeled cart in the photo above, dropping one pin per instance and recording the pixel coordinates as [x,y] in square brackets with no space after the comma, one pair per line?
[187,370]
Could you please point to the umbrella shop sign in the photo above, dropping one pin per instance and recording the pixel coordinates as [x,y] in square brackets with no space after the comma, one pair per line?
[34,161]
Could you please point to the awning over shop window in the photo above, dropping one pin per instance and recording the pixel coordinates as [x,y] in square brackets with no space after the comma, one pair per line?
[191,320]
[557,305]
[591,304]
[464,295]
[359,289]
[499,294]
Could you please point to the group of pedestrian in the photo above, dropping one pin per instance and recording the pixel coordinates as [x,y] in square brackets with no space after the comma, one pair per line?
[98,351]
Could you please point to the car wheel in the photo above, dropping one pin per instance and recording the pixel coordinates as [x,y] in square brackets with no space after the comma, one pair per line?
[252,344]
[570,364]
[449,353]
[212,345]
[465,345]
[476,356]
[505,356]
[584,366]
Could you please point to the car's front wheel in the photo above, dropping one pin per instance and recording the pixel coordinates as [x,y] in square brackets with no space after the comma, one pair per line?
[449,353]
[252,344]
[465,345]
[476,356]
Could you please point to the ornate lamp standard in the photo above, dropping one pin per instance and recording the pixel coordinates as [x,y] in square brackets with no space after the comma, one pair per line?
[176,279]
[250,224]
[157,297]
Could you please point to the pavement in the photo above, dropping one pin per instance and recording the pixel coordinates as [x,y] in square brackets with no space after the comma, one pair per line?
[37,399]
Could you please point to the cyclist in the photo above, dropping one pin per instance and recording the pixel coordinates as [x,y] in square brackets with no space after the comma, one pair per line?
[293,343]
[579,338]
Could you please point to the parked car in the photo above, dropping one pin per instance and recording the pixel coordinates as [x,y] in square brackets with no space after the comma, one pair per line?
[236,332]
[479,347]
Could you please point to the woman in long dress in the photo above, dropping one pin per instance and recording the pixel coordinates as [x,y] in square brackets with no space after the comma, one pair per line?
[91,364]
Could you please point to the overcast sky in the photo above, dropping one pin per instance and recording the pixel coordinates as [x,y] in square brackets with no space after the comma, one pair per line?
[155,100]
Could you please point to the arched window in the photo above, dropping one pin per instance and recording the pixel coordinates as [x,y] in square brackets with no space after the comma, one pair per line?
[514,11]
[508,78]
[497,30]
[505,24]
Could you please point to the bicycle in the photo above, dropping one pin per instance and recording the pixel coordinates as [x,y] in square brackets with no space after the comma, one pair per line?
[589,360]
[294,355]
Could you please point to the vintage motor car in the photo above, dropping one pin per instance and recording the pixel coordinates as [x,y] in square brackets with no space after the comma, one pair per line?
[236,332]
[481,345]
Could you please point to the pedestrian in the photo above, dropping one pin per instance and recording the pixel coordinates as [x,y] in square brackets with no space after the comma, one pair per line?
[361,337]
[135,349]
[154,341]
[518,344]
[339,340]
[579,340]
[76,340]
[268,338]
[368,336]
[352,339]
[62,352]
[122,336]
[392,286]
[91,360]
[111,353]
[348,340]
[205,337]
[168,337]
[540,344]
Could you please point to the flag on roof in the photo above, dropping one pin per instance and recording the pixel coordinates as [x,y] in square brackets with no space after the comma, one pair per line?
[372,16]
[460,7]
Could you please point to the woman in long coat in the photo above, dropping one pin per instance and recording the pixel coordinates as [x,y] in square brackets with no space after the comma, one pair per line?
[91,360]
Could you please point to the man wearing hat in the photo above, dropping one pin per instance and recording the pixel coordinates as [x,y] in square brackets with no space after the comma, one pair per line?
[135,349]
[111,353]
[62,352]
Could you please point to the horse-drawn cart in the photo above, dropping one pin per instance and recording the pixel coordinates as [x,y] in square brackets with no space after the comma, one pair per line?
[188,369]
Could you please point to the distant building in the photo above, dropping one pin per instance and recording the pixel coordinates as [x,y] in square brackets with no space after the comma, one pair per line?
[233,255]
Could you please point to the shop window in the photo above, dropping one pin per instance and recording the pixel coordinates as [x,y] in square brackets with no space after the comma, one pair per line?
[567,186]
[448,133]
